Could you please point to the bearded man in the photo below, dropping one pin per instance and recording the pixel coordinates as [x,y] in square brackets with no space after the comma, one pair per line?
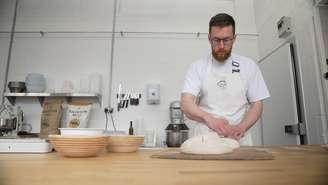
[223,91]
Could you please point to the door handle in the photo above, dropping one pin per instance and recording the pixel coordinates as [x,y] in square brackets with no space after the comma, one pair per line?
[291,129]
[325,75]
[295,129]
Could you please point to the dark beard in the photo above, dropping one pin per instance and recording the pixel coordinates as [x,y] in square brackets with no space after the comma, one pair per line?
[222,56]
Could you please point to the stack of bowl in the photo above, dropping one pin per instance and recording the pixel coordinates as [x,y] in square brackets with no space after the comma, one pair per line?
[124,143]
[77,142]
[35,83]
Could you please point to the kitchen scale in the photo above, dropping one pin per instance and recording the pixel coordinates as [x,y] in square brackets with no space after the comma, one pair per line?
[13,140]
[25,145]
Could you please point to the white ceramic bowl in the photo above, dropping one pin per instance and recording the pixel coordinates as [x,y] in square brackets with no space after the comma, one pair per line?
[81,131]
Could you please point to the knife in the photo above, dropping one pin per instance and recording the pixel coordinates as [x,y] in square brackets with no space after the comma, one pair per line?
[119,97]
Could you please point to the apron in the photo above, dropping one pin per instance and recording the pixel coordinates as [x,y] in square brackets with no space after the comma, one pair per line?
[223,95]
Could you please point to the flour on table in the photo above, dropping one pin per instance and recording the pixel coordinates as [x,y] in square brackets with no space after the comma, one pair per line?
[210,143]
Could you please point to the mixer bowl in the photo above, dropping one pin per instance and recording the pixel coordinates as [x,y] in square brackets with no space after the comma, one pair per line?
[16,86]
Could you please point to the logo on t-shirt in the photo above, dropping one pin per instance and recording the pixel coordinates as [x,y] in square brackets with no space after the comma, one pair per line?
[222,83]
[235,67]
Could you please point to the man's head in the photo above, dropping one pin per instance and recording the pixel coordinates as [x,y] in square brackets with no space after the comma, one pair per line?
[221,36]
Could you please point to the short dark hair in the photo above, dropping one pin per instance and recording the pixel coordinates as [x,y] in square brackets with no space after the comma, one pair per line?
[222,20]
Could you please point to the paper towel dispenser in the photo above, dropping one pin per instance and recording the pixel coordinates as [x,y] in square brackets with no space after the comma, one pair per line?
[153,93]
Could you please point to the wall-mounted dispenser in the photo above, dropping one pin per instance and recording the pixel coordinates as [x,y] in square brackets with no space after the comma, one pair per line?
[153,93]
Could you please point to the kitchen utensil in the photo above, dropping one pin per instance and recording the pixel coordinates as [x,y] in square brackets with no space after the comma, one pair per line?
[132,99]
[16,86]
[81,131]
[243,153]
[176,134]
[124,143]
[119,94]
[177,131]
[8,124]
[78,146]
[25,127]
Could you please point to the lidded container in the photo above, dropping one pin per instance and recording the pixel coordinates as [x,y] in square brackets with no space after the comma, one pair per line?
[35,83]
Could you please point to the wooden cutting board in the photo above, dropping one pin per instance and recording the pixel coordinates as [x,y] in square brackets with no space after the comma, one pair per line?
[242,153]
[325,146]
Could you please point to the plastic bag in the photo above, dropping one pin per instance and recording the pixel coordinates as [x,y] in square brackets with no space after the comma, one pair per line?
[50,118]
[78,114]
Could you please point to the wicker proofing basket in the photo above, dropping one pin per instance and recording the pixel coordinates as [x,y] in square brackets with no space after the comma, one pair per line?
[78,146]
[124,143]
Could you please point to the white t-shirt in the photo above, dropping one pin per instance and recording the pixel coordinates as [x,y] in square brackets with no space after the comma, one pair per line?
[250,73]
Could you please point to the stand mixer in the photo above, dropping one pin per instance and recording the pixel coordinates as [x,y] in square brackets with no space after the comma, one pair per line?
[177,131]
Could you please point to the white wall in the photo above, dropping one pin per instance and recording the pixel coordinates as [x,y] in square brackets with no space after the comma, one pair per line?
[324,23]
[63,15]
[160,45]
[6,17]
[170,15]
[321,18]
[267,14]
[4,46]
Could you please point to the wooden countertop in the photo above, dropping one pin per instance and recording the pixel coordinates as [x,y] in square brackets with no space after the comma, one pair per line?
[292,165]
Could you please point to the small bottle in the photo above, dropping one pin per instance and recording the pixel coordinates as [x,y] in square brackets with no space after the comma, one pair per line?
[131,129]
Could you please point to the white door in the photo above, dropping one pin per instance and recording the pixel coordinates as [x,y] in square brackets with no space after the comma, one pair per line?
[281,109]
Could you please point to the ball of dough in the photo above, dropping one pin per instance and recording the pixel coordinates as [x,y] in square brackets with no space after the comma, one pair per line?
[231,142]
[209,144]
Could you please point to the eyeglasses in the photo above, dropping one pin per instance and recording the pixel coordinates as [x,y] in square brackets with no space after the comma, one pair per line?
[217,41]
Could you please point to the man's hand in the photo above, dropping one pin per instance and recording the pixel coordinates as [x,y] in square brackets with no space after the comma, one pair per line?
[252,115]
[237,132]
[219,125]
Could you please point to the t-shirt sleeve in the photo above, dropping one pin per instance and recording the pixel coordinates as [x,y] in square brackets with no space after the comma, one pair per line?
[257,89]
[192,81]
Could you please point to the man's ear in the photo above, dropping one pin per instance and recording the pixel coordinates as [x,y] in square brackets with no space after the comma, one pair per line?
[234,38]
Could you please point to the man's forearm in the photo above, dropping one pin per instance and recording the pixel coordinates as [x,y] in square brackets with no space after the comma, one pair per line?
[252,115]
[191,110]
